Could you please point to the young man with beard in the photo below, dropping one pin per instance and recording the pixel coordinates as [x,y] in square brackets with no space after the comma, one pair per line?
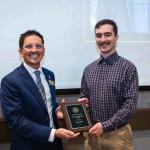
[110,88]
[29,102]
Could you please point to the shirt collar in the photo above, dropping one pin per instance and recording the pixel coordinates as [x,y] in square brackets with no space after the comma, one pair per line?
[110,59]
[30,69]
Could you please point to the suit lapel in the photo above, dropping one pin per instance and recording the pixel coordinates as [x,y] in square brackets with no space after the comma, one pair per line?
[50,82]
[29,82]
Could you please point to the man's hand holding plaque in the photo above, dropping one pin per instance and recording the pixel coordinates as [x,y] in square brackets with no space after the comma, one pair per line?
[75,115]
[59,112]
[61,132]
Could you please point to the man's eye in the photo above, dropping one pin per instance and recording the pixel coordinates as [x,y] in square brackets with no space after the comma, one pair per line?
[104,34]
[39,46]
[98,35]
[28,46]
[107,34]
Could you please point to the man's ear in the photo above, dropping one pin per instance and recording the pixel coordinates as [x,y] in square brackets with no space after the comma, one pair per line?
[20,51]
[44,51]
[117,37]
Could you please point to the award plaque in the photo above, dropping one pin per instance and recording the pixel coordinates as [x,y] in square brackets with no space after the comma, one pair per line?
[76,116]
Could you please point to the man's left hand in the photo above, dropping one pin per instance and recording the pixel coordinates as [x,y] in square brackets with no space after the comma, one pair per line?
[97,129]
[59,112]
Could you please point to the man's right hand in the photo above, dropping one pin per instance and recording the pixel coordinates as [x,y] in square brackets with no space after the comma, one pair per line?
[65,134]
[84,101]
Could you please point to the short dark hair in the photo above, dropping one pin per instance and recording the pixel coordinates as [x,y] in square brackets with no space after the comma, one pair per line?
[107,21]
[29,33]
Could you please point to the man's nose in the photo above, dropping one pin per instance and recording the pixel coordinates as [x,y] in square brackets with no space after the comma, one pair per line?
[103,38]
[34,48]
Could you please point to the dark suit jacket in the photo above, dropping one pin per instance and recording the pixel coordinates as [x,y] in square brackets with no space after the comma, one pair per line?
[25,111]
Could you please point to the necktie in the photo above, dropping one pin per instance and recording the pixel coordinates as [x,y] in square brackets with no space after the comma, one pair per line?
[42,92]
[40,85]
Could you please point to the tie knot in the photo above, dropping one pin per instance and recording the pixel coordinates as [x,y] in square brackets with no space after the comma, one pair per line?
[37,73]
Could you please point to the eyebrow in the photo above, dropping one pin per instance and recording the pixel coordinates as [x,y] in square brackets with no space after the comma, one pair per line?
[104,33]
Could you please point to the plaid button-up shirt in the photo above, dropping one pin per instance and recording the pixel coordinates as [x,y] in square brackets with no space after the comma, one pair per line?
[111,85]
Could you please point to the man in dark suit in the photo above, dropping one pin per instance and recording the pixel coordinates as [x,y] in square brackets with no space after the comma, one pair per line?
[29,102]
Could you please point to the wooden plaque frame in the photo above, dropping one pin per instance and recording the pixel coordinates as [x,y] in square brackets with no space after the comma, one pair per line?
[76,116]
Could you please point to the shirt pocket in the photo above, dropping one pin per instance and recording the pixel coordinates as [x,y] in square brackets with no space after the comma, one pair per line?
[115,86]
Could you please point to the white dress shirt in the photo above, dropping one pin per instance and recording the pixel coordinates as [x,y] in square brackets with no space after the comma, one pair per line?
[48,96]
